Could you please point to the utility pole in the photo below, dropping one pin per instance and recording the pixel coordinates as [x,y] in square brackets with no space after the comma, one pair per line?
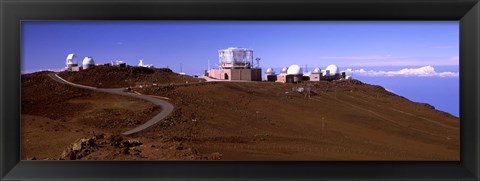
[258,61]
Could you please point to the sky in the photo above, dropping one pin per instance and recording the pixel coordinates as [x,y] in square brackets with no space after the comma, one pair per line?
[45,44]
[379,51]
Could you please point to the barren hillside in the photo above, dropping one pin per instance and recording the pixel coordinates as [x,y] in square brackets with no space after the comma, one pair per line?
[341,120]
[112,76]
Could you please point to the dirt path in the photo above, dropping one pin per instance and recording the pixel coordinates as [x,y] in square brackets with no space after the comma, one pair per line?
[167,108]
[208,79]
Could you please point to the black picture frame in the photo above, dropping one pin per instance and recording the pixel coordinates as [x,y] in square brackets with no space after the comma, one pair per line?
[12,12]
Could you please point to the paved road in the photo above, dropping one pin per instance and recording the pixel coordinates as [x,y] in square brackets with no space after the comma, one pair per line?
[208,79]
[167,108]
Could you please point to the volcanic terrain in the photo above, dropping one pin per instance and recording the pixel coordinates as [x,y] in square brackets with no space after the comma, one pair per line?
[340,120]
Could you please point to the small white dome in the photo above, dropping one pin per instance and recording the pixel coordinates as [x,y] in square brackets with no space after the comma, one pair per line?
[284,70]
[269,71]
[316,70]
[88,61]
[71,59]
[294,70]
[331,69]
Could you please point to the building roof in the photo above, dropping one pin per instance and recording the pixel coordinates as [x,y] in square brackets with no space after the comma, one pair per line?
[88,61]
[71,59]
[294,70]
[269,71]
[333,69]
[236,49]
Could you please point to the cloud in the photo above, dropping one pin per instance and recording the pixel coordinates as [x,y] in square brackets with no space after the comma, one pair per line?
[39,70]
[358,57]
[426,71]
[390,91]
[363,61]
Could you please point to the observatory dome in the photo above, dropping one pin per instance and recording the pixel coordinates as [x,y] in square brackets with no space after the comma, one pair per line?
[88,61]
[269,71]
[294,70]
[332,69]
[71,59]
[284,70]
[316,70]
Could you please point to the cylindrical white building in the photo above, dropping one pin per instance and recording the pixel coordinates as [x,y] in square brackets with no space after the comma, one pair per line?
[234,58]
[269,71]
[294,74]
[331,70]
[71,61]
[88,62]
[294,70]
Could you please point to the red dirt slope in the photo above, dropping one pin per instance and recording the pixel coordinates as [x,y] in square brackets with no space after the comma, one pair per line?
[113,77]
[341,120]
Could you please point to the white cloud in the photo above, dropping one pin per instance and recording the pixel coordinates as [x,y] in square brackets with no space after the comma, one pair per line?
[39,70]
[426,71]
[390,90]
[358,58]
[387,60]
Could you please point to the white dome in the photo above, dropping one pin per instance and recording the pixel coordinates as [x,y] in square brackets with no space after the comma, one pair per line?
[294,70]
[88,61]
[71,59]
[284,70]
[316,70]
[331,69]
[269,71]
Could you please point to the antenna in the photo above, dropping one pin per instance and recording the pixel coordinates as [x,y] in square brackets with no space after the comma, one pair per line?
[208,64]
[258,61]
[181,70]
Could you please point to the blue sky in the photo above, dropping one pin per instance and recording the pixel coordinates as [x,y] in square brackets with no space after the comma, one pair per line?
[45,45]
[399,55]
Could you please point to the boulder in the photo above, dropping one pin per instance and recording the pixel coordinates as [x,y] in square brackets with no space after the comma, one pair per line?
[80,148]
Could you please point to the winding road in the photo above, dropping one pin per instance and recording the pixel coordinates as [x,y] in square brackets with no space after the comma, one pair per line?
[167,108]
[208,79]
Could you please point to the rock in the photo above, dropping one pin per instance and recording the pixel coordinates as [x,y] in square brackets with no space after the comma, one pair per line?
[80,148]
[68,154]
[77,146]
[126,151]
[216,156]
[115,140]
[125,144]
[135,142]
[119,142]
